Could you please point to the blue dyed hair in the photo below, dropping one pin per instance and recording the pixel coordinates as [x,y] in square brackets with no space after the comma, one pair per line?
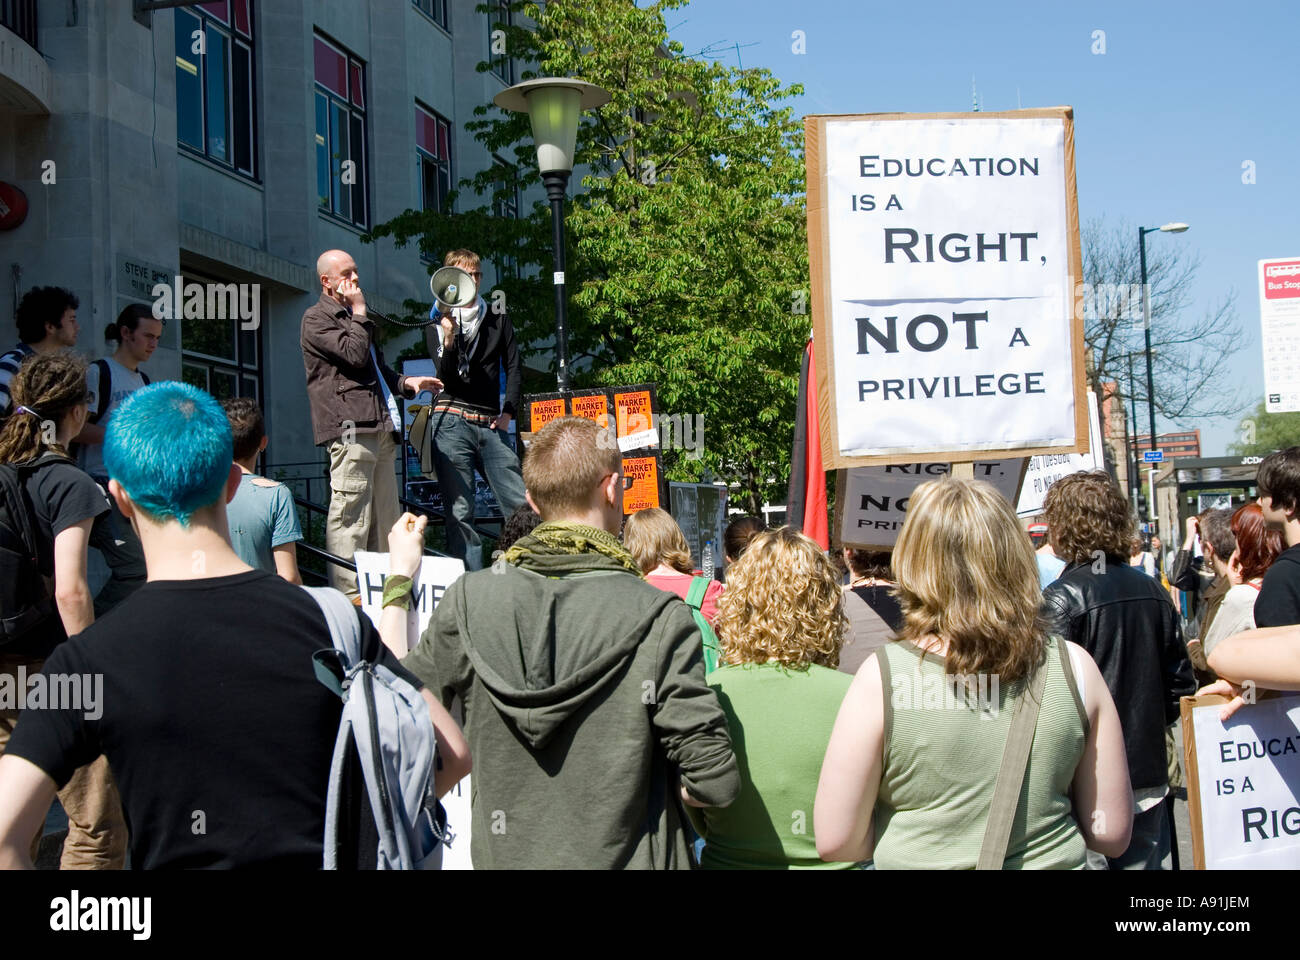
[168,446]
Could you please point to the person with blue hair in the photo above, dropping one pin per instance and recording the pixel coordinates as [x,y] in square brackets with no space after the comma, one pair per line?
[206,673]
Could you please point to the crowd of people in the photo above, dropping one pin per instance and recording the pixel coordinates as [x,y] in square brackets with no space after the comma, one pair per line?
[980,697]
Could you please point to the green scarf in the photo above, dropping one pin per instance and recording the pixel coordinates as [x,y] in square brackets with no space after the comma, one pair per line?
[552,547]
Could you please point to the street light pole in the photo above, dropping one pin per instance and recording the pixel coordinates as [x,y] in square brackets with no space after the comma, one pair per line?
[555,182]
[553,105]
[1146,326]
[1134,478]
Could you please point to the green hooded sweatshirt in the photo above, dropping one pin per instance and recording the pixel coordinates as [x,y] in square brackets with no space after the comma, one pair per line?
[584,702]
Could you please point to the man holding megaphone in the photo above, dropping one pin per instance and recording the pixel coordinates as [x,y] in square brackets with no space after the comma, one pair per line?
[471,344]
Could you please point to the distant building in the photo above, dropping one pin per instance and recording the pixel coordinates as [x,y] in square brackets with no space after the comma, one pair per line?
[1114,433]
[1174,445]
[228,143]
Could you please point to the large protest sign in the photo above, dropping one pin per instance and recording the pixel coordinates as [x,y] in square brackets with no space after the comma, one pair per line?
[1243,783]
[871,502]
[1045,469]
[435,576]
[944,256]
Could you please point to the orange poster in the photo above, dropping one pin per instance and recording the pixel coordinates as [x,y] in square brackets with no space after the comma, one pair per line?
[592,407]
[641,483]
[633,411]
[542,412]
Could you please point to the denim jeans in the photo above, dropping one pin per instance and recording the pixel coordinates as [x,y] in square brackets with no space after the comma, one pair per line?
[458,448]
[1151,846]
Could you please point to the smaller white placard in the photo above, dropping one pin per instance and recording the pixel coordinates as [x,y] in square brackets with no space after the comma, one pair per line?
[1249,784]
[435,576]
[1044,471]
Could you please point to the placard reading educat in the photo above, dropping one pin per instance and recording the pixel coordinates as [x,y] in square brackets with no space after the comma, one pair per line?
[944,253]
[1244,798]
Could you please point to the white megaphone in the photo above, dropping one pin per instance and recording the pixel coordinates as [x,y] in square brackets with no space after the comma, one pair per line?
[452,287]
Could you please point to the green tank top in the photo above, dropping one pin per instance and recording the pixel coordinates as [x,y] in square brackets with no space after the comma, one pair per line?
[942,750]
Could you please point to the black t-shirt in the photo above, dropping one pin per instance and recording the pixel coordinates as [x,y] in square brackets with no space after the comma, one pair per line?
[217,731]
[1278,604]
[62,496]
[884,603]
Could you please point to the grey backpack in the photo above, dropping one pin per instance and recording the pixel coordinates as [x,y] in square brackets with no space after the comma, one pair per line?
[385,729]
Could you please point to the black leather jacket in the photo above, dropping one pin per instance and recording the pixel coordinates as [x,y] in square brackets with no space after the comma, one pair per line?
[1127,622]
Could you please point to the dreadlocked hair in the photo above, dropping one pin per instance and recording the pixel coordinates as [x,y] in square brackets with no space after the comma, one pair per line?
[50,385]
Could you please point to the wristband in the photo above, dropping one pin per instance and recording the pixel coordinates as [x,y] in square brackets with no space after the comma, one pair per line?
[397,591]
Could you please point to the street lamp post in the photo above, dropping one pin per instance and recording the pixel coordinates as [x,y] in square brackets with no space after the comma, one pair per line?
[1132,446]
[553,105]
[1146,325]
[1135,479]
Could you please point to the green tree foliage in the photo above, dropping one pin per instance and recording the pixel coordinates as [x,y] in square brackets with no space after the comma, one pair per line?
[1261,433]
[687,251]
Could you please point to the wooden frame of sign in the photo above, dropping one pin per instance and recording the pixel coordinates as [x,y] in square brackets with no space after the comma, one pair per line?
[1191,771]
[958,469]
[819,270]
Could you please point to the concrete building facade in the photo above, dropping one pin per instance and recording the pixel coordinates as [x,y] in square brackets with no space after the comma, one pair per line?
[231,142]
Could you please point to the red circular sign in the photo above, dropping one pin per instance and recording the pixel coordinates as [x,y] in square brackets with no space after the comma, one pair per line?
[13,206]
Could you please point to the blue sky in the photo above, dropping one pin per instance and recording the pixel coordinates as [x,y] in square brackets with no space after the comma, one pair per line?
[1184,94]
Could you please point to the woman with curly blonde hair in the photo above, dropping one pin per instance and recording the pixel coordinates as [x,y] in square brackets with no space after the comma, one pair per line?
[781,624]
[918,746]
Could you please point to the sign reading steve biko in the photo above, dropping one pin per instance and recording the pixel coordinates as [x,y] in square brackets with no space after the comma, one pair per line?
[943,251]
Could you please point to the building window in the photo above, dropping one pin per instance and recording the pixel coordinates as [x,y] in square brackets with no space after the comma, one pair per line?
[505,203]
[435,10]
[340,134]
[217,354]
[499,20]
[215,108]
[433,154]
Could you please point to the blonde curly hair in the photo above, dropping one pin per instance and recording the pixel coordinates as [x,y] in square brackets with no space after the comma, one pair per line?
[783,602]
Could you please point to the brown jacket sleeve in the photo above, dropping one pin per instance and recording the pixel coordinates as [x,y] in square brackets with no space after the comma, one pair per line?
[343,340]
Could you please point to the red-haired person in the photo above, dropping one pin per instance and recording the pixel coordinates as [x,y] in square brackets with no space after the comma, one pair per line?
[1257,547]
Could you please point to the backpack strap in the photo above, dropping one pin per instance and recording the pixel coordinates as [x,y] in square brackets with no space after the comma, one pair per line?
[695,600]
[1011,774]
[105,390]
[332,668]
[345,629]
[21,513]
[695,595]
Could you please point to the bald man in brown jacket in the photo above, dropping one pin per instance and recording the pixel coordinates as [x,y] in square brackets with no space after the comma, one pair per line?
[354,414]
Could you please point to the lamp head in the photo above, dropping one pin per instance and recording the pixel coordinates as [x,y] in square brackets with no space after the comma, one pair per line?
[1174,227]
[553,105]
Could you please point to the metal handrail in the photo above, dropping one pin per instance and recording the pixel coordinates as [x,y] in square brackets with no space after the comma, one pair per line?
[332,558]
[327,557]
[420,509]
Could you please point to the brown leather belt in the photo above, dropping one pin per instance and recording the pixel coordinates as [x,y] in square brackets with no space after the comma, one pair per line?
[474,415]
